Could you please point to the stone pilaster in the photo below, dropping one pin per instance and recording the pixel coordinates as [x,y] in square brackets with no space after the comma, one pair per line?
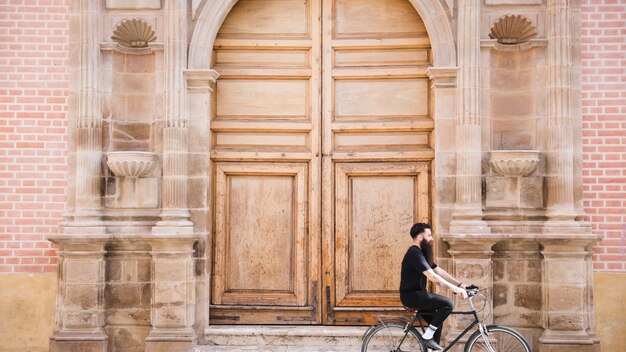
[559,131]
[173,295]
[567,286]
[200,85]
[175,212]
[80,310]
[86,114]
[443,97]
[471,263]
[468,208]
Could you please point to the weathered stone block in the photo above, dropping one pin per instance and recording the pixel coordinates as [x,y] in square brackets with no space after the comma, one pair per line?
[566,298]
[498,270]
[128,316]
[113,270]
[170,315]
[565,321]
[79,319]
[528,296]
[83,296]
[533,271]
[515,270]
[500,294]
[127,339]
[565,272]
[171,293]
[133,192]
[514,192]
[123,295]
[82,271]
[170,270]
[468,270]
[78,346]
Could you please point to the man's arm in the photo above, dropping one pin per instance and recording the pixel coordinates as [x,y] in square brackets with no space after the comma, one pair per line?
[439,271]
[434,277]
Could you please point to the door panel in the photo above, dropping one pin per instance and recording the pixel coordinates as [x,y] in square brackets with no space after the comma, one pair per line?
[260,234]
[375,204]
[265,143]
[376,152]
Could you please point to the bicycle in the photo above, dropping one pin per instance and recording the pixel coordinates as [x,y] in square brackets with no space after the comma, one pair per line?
[400,335]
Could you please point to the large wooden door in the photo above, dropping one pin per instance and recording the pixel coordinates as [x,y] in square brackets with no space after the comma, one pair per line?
[320,157]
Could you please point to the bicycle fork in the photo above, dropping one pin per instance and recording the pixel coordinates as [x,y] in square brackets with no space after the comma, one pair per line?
[485,336]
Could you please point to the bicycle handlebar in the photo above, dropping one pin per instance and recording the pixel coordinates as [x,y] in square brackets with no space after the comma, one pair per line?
[472,292]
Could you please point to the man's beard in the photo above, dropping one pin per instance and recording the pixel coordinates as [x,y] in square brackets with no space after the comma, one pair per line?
[427,249]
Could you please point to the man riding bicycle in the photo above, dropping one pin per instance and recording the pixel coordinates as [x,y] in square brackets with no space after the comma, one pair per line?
[417,266]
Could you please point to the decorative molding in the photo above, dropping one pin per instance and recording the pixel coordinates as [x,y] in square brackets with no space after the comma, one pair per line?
[114,47]
[134,33]
[512,29]
[201,81]
[442,77]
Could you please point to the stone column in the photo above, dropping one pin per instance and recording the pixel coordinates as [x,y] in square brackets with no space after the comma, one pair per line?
[173,295]
[443,96]
[86,115]
[566,288]
[559,132]
[175,213]
[468,208]
[471,263]
[200,85]
[80,311]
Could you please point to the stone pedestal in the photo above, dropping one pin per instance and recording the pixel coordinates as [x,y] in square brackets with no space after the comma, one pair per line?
[566,294]
[471,263]
[173,295]
[80,314]
[514,192]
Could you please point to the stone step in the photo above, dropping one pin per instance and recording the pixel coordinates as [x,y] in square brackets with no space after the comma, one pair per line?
[206,348]
[282,338]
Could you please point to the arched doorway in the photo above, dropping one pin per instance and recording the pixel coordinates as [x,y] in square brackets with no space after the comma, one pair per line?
[321,149]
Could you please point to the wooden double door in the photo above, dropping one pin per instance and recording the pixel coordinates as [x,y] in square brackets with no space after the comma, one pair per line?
[320,156]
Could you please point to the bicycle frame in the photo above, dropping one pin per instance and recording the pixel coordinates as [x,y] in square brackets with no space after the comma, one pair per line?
[476,321]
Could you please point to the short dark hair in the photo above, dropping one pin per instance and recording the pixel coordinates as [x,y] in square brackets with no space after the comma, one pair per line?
[418,228]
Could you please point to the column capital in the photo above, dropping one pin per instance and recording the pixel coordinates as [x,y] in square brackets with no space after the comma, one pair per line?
[200,81]
[442,77]
[470,246]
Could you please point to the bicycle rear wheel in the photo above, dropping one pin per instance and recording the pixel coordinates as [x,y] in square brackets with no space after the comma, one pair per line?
[499,339]
[388,337]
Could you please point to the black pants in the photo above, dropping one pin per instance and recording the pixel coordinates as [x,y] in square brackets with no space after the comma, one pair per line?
[434,308]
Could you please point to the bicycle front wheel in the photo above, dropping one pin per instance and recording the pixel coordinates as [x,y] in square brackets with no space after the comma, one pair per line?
[390,337]
[498,339]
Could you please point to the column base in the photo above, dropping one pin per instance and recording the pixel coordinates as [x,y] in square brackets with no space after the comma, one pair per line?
[79,342]
[579,341]
[171,341]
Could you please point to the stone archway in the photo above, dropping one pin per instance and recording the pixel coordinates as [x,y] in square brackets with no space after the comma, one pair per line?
[405,82]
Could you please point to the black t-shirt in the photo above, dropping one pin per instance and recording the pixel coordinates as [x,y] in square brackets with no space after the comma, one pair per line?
[414,264]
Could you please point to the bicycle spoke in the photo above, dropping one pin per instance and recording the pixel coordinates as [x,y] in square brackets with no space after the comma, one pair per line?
[388,337]
[498,340]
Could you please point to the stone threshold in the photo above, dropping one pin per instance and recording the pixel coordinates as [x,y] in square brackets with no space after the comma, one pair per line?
[275,338]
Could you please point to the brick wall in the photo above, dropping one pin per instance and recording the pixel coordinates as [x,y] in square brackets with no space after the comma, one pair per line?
[33,130]
[604,127]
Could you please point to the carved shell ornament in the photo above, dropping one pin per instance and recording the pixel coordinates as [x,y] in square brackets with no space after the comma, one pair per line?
[133,33]
[512,29]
